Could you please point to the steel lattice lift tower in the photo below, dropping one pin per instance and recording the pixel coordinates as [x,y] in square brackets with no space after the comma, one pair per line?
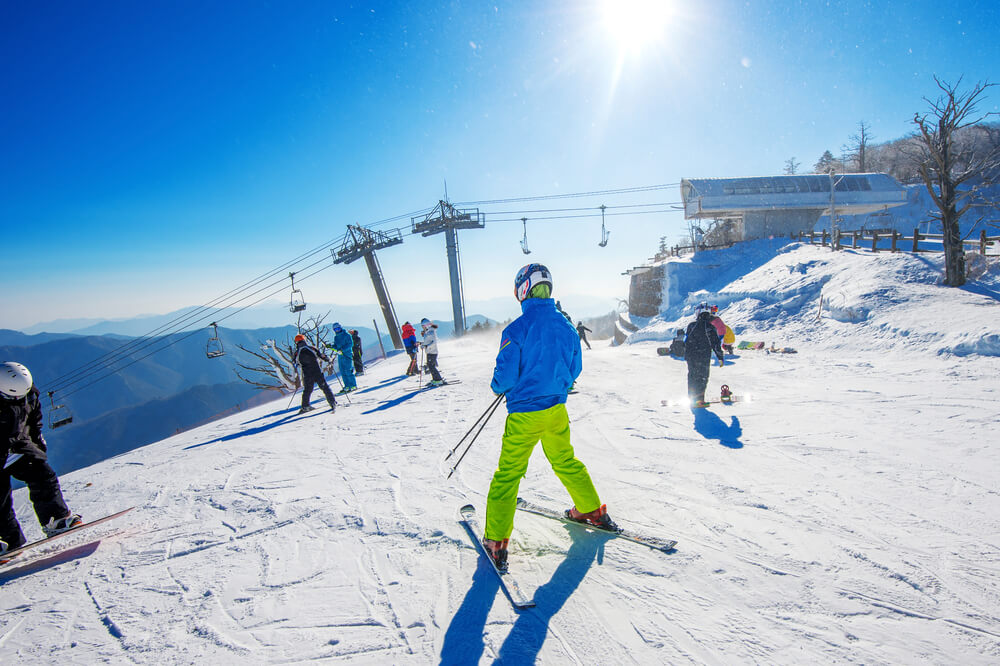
[448,219]
[362,242]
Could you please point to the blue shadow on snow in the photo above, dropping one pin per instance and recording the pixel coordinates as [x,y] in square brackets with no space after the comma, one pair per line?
[289,414]
[389,404]
[710,426]
[463,642]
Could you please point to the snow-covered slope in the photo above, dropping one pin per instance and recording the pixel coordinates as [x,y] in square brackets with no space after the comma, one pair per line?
[850,512]
[879,302]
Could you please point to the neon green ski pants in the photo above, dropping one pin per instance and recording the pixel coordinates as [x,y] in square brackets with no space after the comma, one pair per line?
[521,433]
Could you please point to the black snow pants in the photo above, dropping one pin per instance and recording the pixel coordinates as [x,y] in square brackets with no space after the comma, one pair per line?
[43,491]
[698,367]
[432,365]
[308,380]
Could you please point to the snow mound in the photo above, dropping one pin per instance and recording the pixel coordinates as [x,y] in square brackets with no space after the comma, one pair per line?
[808,296]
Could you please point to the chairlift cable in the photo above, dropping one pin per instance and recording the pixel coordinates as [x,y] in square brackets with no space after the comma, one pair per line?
[110,360]
[113,371]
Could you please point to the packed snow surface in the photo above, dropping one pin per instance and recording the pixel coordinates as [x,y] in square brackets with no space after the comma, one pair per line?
[848,512]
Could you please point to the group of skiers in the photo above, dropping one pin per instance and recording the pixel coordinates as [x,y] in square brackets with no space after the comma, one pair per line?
[539,359]
[346,346]
[428,333]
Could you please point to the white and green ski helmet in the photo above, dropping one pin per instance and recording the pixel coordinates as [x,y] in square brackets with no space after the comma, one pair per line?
[15,380]
[528,278]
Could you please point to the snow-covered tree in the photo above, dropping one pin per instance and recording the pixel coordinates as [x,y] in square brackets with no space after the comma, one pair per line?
[951,169]
[275,371]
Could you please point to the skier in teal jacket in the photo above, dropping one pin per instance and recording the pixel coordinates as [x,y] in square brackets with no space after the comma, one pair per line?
[344,345]
[539,360]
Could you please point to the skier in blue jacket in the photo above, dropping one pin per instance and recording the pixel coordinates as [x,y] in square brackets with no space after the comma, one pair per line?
[539,360]
[344,345]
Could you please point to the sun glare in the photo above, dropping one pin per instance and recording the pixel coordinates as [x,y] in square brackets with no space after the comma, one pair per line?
[634,23]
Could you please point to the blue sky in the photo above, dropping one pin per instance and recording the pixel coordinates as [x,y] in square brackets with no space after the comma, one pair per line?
[156,155]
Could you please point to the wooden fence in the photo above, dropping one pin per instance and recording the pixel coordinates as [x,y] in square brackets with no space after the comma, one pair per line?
[893,241]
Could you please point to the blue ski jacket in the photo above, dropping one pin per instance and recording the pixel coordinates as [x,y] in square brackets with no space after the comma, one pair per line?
[343,343]
[539,358]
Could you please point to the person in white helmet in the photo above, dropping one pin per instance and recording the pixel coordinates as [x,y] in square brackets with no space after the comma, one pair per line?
[24,457]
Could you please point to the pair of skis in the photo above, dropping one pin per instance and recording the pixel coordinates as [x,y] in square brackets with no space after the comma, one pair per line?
[509,583]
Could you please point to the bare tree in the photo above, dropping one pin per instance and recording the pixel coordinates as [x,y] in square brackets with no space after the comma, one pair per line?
[945,167]
[791,166]
[275,371]
[857,150]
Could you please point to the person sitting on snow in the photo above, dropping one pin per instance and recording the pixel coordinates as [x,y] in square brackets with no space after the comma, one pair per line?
[677,344]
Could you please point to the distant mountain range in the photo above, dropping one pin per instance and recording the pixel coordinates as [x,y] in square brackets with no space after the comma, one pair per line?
[270,315]
[127,392]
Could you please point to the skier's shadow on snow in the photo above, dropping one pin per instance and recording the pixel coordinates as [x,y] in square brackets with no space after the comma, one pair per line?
[289,414]
[389,404]
[463,642]
[710,426]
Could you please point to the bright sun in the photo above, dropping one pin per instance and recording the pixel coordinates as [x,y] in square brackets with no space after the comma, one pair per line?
[634,23]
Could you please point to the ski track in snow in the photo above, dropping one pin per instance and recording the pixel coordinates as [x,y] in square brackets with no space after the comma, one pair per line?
[848,513]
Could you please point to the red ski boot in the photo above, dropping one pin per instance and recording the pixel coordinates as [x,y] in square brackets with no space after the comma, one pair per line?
[497,551]
[598,518]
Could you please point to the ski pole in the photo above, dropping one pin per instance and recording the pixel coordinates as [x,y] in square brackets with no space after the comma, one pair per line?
[492,408]
[474,424]
[294,391]
[420,379]
[343,389]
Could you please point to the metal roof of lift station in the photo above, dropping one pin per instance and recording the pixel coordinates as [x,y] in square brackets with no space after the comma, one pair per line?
[772,205]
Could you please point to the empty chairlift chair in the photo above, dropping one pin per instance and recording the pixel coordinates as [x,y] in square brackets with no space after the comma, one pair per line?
[214,347]
[297,302]
[524,241]
[59,415]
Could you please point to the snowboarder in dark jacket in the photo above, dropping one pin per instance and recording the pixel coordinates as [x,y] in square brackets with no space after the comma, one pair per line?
[23,456]
[359,366]
[677,345]
[582,330]
[702,340]
[307,358]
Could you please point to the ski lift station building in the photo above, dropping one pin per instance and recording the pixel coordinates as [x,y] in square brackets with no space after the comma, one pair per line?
[785,205]
[759,208]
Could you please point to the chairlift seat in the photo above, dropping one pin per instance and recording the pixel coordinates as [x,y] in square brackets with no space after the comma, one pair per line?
[59,415]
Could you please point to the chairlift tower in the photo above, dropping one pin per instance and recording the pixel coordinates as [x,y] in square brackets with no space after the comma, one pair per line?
[448,219]
[362,242]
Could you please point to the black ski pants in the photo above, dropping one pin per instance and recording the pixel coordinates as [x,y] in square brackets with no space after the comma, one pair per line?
[432,365]
[310,379]
[43,491]
[698,368]
[359,366]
